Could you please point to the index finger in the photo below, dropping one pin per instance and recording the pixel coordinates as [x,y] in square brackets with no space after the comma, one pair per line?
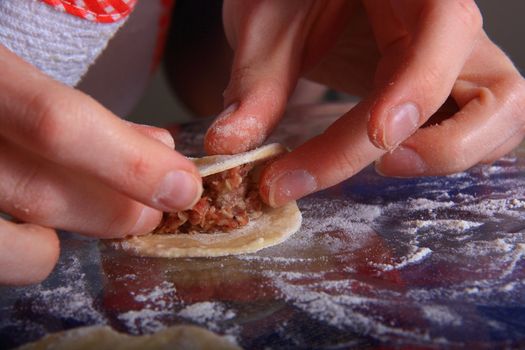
[69,128]
[340,152]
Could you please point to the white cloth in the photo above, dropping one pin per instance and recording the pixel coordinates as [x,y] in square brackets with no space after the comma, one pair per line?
[61,45]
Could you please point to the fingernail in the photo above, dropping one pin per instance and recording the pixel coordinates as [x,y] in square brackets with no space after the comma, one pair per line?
[229,110]
[400,123]
[165,137]
[178,191]
[402,162]
[289,186]
[147,221]
[215,134]
[158,134]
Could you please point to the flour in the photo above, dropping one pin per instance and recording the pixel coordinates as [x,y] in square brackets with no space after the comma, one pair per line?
[333,227]
[161,297]
[161,303]
[466,230]
[425,262]
[66,299]
[71,301]
[157,305]
[452,226]
[214,316]
[416,255]
[248,131]
[143,321]
[441,315]
[207,312]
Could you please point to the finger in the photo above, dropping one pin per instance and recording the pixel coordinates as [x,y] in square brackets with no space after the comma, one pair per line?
[268,40]
[28,253]
[39,192]
[340,152]
[68,128]
[419,68]
[479,130]
[504,150]
[490,122]
[158,134]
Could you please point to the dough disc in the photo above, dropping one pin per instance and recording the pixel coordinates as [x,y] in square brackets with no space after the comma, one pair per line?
[271,228]
[105,338]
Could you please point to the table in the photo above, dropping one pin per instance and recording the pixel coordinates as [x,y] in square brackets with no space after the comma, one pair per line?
[378,262]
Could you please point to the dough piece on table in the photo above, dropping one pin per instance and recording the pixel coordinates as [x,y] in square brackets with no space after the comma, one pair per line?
[105,338]
[215,164]
[271,228]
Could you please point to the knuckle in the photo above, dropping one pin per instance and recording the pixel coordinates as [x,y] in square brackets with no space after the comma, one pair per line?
[121,221]
[431,75]
[30,199]
[137,168]
[341,162]
[238,77]
[510,92]
[518,99]
[469,14]
[247,77]
[346,164]
[452,156]
[45,127]
[116,227]
[460,161]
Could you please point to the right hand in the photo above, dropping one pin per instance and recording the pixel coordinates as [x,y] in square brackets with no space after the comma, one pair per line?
[404,58]
[68,163]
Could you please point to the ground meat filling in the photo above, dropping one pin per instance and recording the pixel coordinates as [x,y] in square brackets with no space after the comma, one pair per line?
[229,200]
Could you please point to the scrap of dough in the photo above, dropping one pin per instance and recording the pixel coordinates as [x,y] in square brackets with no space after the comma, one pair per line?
[215,164]
[105,338]
[271,228]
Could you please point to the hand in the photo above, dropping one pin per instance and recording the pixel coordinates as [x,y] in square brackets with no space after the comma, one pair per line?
[404,57]
[68,163]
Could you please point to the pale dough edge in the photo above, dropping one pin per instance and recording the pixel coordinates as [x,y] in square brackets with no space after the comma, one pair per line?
[210,165]
[183,337]
[273,227]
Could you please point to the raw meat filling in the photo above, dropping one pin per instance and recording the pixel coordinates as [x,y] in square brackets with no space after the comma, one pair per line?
[229,200]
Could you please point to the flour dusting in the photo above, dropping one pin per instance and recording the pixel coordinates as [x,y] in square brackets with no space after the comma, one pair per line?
[412,263]
[209,313]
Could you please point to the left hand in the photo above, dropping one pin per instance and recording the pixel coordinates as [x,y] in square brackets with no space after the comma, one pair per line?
[404,57]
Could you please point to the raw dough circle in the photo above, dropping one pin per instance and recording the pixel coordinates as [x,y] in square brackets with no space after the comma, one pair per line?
[105,338]
[271,228]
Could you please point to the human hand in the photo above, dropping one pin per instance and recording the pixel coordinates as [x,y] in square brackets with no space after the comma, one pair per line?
[68,163]
[404,57]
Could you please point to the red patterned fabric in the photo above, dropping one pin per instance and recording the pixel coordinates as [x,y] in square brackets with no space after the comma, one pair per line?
[101,11]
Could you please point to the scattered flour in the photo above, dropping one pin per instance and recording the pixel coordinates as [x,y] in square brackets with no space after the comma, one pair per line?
[68,301]
[416,256]
[449,225]
[144,320]
[248,128]
[208,313]
[214,316]
[158,304]
[408,268]
[441,315]
[161,297]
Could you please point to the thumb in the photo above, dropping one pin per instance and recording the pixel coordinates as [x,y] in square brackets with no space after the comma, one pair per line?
[268,40]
